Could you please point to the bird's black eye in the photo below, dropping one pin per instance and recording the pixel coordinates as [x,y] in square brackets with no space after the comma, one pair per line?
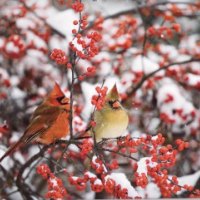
[111,103]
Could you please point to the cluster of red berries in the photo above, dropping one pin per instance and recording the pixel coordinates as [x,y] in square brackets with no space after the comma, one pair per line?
[175,10]
[121,44]
[111,187]
[3,128]
[14,47]
[166,156]
[82,25]
[167,186]
[162,157]
[141,179]
[137,76]
[89,47]
[77,6]
[19,11]
[130,142]
[80,182]
[86,147]
[171,72]
[85,47]
[113,165]
[196,85]
[84,22]
[182,144]
[43,170]
[166,118]
[91,71]
[169,98]
[149,84]
[125,25]
[169,120]
[120,37]
[56,189]
[5,82]
[120,192]
[195,194]
[94,36]
[98,185]
[164,31]
[59,56]
[99,100]
[97,165]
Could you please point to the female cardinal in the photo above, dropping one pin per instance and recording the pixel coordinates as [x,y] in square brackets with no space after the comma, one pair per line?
[49,121]
[112,119]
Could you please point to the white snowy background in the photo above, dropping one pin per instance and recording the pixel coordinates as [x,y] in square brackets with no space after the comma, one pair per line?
[37,61]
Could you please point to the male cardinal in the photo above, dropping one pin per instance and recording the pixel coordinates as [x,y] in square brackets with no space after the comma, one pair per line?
[49,122]
[112,120]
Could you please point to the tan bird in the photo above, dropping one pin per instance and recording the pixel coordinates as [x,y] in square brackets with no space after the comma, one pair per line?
[112,120]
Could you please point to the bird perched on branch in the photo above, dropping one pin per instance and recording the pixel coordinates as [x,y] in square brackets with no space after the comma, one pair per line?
[49,122]
[112,120]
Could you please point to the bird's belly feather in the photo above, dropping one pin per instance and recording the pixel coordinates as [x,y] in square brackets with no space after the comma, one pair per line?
[112,125]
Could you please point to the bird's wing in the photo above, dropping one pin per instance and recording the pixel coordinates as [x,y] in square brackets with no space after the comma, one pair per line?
[43,118]
[45,110]
[99,119]
[98,116]
[35,134]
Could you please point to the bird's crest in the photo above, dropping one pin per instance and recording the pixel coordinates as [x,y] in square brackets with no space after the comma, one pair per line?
[113,94]
[56,92]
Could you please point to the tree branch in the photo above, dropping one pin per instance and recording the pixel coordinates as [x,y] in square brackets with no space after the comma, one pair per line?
[119,153]
[132,90]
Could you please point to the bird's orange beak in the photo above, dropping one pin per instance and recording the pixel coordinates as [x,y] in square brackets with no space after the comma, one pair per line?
[65,100]
[116,104]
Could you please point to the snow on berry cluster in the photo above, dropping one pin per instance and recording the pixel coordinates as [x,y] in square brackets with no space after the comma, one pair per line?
[56,189]
[14,47]
[115,184]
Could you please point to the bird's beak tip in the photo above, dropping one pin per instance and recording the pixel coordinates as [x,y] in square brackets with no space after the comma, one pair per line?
[65,100]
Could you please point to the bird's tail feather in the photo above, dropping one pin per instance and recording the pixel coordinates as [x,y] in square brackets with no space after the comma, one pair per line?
[11,149]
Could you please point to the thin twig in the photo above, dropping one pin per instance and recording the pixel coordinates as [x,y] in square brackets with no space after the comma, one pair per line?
[119,153]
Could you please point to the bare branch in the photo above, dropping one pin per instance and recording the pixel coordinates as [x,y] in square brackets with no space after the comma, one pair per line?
[133,89]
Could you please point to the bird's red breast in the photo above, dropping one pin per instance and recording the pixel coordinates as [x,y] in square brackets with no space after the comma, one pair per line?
[58,129]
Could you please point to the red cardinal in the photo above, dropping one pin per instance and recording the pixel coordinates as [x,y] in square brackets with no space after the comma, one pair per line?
[49,122]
